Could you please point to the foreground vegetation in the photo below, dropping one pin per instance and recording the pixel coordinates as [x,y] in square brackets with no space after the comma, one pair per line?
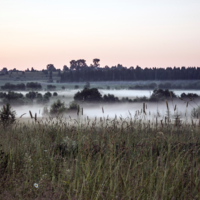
[132,158]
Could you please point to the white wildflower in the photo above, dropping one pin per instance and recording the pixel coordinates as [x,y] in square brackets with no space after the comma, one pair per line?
[36,185]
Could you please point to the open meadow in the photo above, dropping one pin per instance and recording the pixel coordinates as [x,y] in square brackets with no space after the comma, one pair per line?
[135,157]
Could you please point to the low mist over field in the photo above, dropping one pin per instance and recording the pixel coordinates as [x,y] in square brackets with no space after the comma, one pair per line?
[111,110]
[118,93]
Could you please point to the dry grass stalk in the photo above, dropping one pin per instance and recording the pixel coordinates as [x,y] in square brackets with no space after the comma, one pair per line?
[171,96]
[22,115]
[78,109]
[175,108]
[30,114]
[167,105]
[144,108]
[159,163]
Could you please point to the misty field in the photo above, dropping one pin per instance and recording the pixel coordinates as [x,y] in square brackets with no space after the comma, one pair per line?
[101,158]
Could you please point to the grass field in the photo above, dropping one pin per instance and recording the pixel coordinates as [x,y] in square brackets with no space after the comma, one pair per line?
[131,158]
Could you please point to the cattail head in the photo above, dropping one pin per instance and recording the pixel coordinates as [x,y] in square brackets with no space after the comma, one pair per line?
[30,114]
[144,108]
[175,108]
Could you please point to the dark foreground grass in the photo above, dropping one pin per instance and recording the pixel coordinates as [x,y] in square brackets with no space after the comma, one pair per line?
[100,159]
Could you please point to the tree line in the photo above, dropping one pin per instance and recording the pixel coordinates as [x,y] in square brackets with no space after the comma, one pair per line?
[22,86]
[80,71]
[31,97]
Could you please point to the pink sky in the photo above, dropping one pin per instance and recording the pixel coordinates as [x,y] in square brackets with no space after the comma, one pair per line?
[144,33]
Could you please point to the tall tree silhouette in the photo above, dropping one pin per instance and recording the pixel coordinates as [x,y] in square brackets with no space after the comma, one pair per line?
[96,62]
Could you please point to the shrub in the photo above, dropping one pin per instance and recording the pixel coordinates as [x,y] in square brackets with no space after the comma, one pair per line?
[88,95]
[161,95]
[48,94]
[73,106]
[31,95]
[55,94]
[7,116]
[33,85]
[57,108]
[110,98]
[45,111]
[51,87]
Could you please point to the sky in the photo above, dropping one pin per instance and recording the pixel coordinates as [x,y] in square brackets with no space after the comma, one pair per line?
[156,33]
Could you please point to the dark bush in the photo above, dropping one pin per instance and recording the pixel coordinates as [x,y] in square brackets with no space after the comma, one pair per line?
[110,98]
[9,86]
[161,94]
[7,116]
[189,95]
[57,107]
[33,85]
[31,95]
[55,94]
[48,94]
[88,95]
[51,87]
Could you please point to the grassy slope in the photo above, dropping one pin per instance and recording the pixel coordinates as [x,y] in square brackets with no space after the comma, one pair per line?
[102,159]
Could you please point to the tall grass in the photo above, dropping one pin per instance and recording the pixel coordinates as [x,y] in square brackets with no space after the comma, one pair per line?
[131,158]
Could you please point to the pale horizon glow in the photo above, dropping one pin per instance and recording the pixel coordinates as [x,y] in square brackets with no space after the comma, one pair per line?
[128,32]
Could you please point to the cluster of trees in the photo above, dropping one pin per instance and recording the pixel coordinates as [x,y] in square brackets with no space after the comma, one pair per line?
[9,86]
[59,107]
[80,71]
[93,95]
[19,99]
[51,87]
[167,85]
[22,86]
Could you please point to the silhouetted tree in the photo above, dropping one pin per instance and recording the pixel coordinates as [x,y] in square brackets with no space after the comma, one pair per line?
[96,62]
[50,67]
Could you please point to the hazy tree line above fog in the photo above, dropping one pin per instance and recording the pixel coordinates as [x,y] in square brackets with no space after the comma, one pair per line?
[79,71]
